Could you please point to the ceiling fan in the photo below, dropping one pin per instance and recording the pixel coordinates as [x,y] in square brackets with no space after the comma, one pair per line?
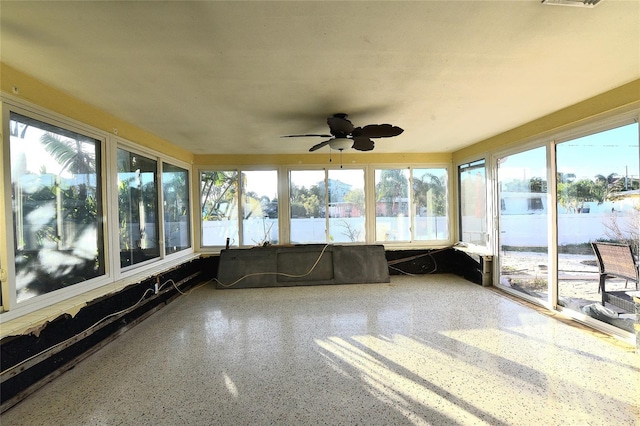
[344,135]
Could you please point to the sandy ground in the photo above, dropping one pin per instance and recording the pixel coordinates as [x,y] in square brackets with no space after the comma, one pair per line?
[578,277]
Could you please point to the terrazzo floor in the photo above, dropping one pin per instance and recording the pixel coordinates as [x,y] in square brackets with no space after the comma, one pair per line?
[421,350]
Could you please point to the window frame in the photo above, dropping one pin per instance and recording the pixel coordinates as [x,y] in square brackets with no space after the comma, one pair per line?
[11,308]
[409,194]
[189,204]
[326,201]
[239,170]
[413,242]
[131,270]
[242,201]
[488,204]
[159,215]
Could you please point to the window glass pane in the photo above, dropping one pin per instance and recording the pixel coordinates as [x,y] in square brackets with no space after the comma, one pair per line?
[392,205]
[176,208]
[137,208]
[473,206]
[523,240]
[598,185]
[57,207]
[430,197]
[260,207]
[219,203]
[346,206]
[307,206]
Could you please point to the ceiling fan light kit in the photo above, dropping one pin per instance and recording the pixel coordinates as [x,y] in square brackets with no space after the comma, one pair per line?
[341,143]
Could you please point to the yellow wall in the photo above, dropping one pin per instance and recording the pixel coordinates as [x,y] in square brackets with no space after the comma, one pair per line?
[621,99]
[25,87]
[322,159]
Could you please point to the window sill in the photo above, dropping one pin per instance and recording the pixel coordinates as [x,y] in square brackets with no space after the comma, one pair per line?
[473,249]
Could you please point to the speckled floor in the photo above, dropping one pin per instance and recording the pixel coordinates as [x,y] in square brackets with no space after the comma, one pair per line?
[421,350]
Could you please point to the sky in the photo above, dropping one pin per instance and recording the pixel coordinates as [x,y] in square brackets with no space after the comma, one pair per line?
[611,151]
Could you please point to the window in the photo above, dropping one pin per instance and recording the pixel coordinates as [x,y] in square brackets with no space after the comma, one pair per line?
[239,208]
[219,204]
[175,200]
[137,208]
[57,207]
[327,206]
[430,207]
[411,204]
[307,206]
[473,206]
[259,207]
[392,205]
[346,205]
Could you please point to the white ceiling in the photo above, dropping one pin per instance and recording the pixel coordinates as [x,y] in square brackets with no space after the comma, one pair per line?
[232,77]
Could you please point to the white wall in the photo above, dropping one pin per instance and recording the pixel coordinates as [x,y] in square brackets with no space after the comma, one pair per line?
[531,230]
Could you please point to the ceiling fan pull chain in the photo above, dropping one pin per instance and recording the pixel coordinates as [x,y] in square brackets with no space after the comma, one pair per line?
[340,158]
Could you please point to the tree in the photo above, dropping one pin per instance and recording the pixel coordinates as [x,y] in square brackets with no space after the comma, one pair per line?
[430,186]
[356,198]
[538,185]
[624,228]
[573,195]
[70,154]
[307,198]
[392,187]
[605,186]
[74,207]
[218,188]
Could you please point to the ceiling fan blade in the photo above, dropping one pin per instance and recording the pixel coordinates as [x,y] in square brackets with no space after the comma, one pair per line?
[306,135]
[340,125]
[320,145]
[378,131]
[362,143]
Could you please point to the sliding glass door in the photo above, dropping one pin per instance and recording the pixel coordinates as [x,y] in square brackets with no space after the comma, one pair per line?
[598,190]
[523,223]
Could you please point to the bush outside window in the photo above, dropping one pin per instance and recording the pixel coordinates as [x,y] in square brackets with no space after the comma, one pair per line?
[137,208]
[175,200]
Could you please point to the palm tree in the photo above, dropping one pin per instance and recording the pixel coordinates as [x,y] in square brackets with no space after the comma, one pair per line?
[607,185]
[393,185]
[438,187]
[76,216]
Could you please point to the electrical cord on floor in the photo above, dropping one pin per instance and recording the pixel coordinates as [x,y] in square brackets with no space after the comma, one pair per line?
[435,268]
[390,263]
[94,325]
[275,273]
